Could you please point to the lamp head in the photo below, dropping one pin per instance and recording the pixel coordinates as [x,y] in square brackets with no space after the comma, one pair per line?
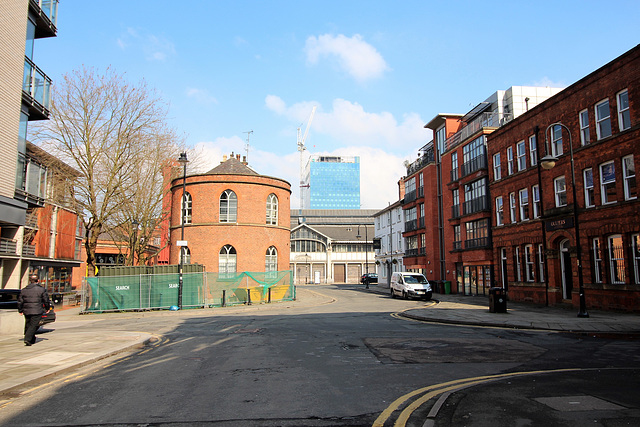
[548,162]
[183,158]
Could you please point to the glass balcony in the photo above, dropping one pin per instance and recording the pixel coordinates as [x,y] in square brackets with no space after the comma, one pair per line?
[36,88]
[484,120]
[45,13]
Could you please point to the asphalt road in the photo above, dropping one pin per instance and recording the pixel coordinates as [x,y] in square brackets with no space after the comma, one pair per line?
[341,359]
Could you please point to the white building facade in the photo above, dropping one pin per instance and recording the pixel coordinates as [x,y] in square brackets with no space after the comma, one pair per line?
[389,226]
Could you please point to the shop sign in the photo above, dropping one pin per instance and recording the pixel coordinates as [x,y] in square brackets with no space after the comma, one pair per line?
[559,224]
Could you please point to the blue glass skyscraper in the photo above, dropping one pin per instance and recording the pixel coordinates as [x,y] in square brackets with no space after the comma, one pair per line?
[333,183]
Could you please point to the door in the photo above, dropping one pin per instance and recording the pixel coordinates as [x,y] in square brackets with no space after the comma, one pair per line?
[565,264]
[339,273]
[503,268]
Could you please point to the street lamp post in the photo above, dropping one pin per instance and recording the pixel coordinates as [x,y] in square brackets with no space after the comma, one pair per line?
[183,161]
[135,225]
[366,252]
[548,162]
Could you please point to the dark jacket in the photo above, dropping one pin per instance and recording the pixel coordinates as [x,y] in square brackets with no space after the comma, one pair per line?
[33,300]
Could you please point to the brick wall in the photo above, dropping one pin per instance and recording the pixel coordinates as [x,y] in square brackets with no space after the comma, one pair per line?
[250,235]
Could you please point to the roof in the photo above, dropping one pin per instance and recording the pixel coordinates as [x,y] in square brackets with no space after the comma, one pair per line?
[233,166]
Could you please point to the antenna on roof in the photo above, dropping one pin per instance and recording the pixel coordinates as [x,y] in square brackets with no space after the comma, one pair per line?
[247,146]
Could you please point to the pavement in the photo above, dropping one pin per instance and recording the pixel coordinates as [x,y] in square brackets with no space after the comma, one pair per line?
[68,344]
[474,310]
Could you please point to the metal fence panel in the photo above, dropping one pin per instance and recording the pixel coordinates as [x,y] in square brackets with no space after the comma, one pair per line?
[160,291]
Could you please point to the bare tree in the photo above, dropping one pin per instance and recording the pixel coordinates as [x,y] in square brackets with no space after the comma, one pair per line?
[114,133]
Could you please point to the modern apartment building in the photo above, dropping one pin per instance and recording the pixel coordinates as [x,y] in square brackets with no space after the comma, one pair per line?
[446,203]
[332,182]
[24,97]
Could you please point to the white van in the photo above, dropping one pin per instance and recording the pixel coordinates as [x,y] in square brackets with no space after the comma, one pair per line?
[410,285]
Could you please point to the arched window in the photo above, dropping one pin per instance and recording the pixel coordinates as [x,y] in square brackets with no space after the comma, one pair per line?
[185,214]
[228,206]
[271,260]
[227,261]
[185,255]
[272,209]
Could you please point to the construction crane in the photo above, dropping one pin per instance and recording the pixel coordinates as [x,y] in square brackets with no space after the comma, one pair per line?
[301,149]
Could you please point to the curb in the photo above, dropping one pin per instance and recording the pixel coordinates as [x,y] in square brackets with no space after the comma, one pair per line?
[40,377]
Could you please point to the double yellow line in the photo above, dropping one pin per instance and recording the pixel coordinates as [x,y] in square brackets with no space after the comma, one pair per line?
[434,390]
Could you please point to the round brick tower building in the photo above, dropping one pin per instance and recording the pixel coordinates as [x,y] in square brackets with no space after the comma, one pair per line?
[235,220]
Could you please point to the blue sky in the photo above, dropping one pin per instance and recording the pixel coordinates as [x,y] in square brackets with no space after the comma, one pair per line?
[377,71]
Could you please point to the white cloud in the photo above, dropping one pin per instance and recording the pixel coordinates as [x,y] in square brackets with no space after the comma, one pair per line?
[155,48]
[353,55]
[379,170]
[201,95]
[348,124]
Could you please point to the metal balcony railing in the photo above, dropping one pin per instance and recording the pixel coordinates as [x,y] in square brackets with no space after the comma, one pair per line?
[37,85]
[410,196]
[8,246]
[411,225]
[457,245]
[454,175]
[484,120]
[474,165]
[31,221]
[455,211]
[28,250]
[475,205]
[476,243]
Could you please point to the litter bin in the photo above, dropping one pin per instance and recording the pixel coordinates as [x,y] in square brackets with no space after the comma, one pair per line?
[497,300]
[447,287]
[56,297]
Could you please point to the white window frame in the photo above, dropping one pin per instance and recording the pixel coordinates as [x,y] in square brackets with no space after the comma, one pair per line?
[596,251]
[556,141]
[635,246]
[629,178]
[585,134]
[523,197]
[512,207]
[589,191]
[187,209]
[271,260]
[616,260]
[518,267]
[529,261]
[510,160]
[497,167]
[272,209]
[499,211]
[560,191]
[605,183]
[540,262]
[624,117]
[533,150]
[601,120]
[521,153]
[535,195]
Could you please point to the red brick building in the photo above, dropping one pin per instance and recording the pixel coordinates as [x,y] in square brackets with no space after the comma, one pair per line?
[235,220]
[545,241]
[446,203]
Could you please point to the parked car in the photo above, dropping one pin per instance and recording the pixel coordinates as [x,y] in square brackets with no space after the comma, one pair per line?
[369,278]
[9,301]
[410,285]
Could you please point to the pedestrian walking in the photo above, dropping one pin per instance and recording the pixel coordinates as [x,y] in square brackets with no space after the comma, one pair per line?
[33,302]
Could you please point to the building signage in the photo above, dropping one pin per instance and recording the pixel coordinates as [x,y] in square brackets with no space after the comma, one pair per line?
[181,243]
[559,224]
[376,243]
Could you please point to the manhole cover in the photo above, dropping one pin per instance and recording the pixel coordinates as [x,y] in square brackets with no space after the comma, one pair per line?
[578,403]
